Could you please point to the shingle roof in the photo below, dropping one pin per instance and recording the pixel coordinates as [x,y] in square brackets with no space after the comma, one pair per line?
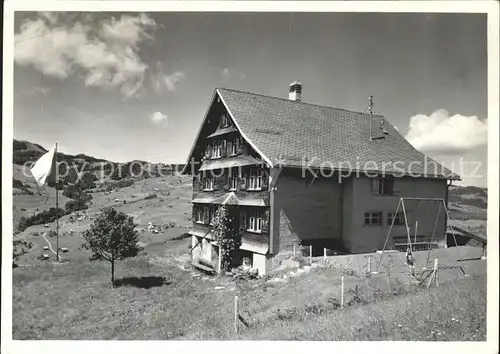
[297,134]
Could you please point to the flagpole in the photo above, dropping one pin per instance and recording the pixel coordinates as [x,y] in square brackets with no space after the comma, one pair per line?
[57,205]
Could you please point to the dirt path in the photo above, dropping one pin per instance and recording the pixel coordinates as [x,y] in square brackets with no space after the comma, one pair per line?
[50,245]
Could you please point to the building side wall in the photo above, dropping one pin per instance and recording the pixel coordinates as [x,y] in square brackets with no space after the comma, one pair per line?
[363,238]
[307,210]
[195,248]
[262,263]
[347,205]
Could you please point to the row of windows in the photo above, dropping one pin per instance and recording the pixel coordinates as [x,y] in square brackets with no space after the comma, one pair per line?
[252,180]
[375,219]
[252,220]
[223,148]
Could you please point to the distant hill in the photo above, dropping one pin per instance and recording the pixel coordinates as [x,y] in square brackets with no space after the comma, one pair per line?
[471,196]
[101,174]
[25,151]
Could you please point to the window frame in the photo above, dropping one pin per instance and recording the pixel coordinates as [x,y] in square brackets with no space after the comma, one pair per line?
[234,147]
[233,179]
[254,221]
[211,183]
[224,120]
[199,215]
[255,180]
[399,217]
[379,185]
[217,149]
[212,209]
[369,215]
[206,209]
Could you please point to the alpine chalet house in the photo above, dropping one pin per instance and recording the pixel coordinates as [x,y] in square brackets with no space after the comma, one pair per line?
[307,174]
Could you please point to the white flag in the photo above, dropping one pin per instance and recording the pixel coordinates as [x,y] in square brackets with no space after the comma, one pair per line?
[44,167]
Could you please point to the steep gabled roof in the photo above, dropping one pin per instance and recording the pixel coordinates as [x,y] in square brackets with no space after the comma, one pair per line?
[297,134]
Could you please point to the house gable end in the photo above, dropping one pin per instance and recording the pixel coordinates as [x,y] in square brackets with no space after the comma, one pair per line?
[211,128]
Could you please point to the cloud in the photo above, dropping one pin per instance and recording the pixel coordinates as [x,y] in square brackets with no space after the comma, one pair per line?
[439,133]
[226,73]
[106,52]
[170,81]
[159,118]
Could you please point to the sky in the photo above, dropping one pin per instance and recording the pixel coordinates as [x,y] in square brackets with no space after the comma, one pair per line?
[126,86]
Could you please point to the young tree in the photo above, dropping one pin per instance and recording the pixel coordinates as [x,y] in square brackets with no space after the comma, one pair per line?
[226,232]
[112,237]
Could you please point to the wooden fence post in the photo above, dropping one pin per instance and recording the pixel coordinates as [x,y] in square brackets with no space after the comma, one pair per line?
[434,275]
[310,254]
[324,254]
[436,270]
[236,315]
[369,264]
[342,292]
[220,261]
[294,249]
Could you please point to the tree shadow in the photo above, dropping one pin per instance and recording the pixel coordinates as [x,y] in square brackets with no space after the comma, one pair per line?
[141,282]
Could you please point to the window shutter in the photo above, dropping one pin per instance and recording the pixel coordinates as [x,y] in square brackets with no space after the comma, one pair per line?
[237,142]
[202,183]
[243,180]
[396,187]
[265,221]
[265,180]
[229,148]
[226,180]
[216,181]
[206,216]
[193,216]
[240,147]
[223,152]
[243,220]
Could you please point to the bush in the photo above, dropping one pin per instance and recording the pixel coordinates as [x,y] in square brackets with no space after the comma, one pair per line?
[20,185]
[75,205]
[44,217]
[226,231]
[20,247]
[17,184]
[126,182]
[151,196]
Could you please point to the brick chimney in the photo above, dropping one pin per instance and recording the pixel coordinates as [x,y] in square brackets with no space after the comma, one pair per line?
[295,91]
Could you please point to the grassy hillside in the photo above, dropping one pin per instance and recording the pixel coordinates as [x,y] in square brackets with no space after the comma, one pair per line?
[159,298]
[469,196]
[468,208]
[165,202]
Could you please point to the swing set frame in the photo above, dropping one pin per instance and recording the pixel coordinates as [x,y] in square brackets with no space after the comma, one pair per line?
[410,247]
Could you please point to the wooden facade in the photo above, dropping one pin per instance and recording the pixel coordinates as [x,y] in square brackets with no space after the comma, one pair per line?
[226,170]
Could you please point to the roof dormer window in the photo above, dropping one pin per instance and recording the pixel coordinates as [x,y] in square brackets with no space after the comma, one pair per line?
[224,120]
